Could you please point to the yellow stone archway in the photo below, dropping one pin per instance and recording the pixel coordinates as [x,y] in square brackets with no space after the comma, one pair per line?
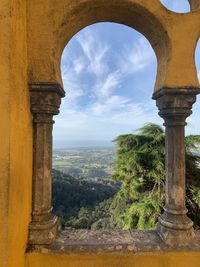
[33,35]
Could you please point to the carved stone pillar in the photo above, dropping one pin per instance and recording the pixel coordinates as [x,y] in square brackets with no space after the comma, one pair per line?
[175,105]
[194,4]
[45,102]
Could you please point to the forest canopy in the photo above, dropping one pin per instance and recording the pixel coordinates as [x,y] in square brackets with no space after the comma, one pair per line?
[135,197]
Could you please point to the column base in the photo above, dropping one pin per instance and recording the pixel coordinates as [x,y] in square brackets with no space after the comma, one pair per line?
[176,230]
[43,232]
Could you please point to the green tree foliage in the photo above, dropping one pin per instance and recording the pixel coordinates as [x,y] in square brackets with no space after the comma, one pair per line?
[140,167]
[137,203]
[70,195]
[94,218]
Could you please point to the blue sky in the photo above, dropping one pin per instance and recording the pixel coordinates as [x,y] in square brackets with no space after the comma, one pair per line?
[108,72]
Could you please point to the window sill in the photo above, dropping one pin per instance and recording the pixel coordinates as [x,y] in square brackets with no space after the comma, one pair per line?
[105,241]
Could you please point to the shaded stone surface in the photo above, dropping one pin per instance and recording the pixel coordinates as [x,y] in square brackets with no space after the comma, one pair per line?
[104,241]
[45,99]
[175,105]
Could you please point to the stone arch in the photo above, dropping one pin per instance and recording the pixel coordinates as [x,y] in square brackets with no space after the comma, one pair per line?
[51,25]
[79,14]
[127,13]
[117,58]
[62,19]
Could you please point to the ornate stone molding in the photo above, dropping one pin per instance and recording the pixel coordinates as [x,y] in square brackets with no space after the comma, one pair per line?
[45,100]
[175,105]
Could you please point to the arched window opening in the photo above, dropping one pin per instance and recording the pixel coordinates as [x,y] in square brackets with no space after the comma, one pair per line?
[192,153]
[197,59]
[108,73]
[100,101]
[178,6]
[193,121]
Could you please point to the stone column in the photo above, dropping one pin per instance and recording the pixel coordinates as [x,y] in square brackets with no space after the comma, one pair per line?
[45,102]
[194,4]
[175,105]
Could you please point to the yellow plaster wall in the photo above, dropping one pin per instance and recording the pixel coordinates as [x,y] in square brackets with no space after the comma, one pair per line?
[5,39]
[173,36]
[114,260]
[20,196]
[44,31]
[15,135]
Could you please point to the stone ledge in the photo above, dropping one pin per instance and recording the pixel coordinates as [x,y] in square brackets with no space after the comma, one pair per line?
[105,241]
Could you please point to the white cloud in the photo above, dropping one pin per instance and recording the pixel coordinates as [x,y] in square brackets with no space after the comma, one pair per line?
[137,57]
[103,113]
[137,115]
[108,84]
[110,105]
[72,85]
[79,65]
[92,126]
[95,50]
[193,126]
[71,120]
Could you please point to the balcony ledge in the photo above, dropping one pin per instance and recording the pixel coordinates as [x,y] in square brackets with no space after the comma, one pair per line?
[105,241]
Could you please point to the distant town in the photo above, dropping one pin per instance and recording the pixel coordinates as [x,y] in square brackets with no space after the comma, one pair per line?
[90,163]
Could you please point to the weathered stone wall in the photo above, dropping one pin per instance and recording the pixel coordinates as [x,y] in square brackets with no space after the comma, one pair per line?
[15,135]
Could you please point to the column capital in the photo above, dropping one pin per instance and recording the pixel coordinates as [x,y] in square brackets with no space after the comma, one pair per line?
[175,104]
[45,98]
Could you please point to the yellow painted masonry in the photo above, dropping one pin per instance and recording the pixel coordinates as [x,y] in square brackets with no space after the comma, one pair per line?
[20,170]
[115,260]
[33,34]
[171,35]
[15,135]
